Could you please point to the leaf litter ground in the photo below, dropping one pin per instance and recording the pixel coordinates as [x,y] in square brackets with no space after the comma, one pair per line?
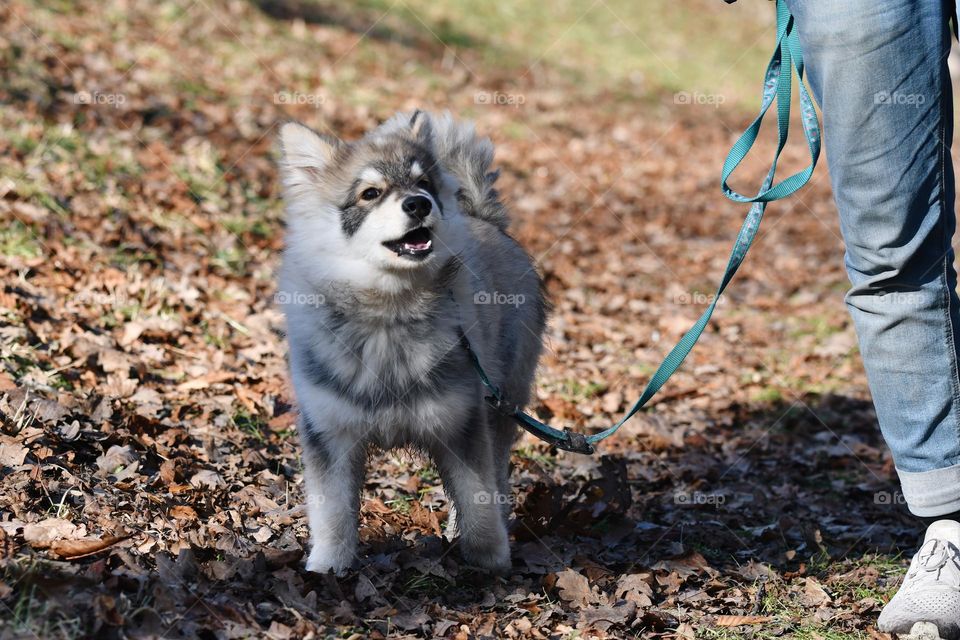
[150,479]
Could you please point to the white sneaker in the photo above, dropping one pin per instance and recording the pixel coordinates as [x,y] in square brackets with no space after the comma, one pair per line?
[927,606]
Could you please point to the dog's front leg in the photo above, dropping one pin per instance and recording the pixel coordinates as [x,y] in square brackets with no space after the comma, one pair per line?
[470,478]
[333,471]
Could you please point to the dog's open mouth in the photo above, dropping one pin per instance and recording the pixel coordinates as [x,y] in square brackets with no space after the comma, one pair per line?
[414,244]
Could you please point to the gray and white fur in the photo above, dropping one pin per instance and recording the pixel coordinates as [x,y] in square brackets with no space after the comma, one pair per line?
[396,242]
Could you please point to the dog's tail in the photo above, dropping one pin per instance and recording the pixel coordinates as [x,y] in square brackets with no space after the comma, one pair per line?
[469,158]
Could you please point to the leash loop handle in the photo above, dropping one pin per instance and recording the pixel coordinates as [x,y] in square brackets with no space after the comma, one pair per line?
[786,59]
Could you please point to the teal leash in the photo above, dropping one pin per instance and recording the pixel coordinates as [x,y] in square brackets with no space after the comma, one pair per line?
[787,59]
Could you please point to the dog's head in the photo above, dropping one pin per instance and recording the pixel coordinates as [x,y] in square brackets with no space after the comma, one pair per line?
[370,212]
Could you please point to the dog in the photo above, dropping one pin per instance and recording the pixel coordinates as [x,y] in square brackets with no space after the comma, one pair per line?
[396,246]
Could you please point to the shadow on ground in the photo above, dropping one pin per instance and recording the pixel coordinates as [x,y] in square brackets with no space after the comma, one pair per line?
[368,22]
[786,510]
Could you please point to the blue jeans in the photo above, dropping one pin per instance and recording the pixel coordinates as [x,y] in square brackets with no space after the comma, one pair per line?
[879,71]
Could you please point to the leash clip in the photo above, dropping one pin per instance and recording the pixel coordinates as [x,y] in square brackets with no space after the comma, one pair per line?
[575,443]
[571,440]
[501,406]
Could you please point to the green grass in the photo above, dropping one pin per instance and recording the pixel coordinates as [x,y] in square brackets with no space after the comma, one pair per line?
[33,612]
[429,474]
[400,504]
[250,424]
[756,632]
[769,395]
[786,624]
[241,226]
[128,255]
[577,391]
[819,326]
[529,453]
[425,585]
[702,47]
[33,615]
[789,614]
[231,259]
[19,240]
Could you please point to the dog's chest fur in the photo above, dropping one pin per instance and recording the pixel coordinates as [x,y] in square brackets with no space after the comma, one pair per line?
[391,367]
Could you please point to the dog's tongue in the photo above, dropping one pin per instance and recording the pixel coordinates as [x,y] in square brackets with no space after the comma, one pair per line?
[417,240]
[419,245]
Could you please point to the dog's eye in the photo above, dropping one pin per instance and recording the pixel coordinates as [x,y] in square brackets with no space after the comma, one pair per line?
[370,194]
[424,183]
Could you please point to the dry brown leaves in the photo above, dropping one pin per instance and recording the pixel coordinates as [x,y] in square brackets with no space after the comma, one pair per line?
[150,474]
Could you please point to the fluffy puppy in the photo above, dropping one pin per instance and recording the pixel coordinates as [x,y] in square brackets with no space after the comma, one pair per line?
[396,243]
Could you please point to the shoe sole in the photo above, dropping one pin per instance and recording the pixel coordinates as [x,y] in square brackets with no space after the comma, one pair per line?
[922,631]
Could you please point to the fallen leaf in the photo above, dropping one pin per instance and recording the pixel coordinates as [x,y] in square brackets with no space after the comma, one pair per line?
[636,588]
[685,565]
[262,534]
[574,588]
[365,589]
[814,595]
[207,478]
[41,534]
[71,549]
[6,382]
[736,621]
[116,458]
[12,453]
[183,512]
[612,402]
[168,471]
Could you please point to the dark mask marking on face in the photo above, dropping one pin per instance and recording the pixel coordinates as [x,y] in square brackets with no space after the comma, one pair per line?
[396,161]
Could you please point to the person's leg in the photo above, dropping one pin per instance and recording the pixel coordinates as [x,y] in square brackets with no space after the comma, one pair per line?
[879,72]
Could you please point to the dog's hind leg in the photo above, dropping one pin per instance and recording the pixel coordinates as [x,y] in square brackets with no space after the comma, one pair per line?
[470,476]
[505,433]
[333,471]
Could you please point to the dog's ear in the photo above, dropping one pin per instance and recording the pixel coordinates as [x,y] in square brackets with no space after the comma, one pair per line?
[303,148]
[420,126]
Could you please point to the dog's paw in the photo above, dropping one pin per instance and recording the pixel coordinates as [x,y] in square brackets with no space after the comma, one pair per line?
[324,560]
[491,556]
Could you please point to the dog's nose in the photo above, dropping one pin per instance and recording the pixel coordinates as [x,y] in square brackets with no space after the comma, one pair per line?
[418,207]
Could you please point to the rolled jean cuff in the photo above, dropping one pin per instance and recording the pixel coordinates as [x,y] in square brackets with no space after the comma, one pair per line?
[931,493]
